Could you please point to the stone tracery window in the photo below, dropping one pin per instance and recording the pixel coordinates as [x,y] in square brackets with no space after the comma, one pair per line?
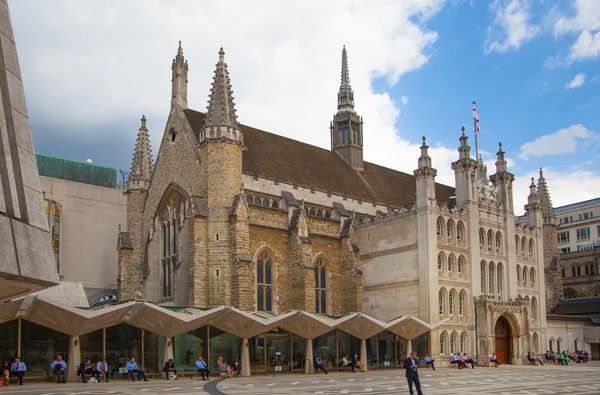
[170,214]
[442,343]
[451,302]
[462,343]
[452,343]
[461,303]
[441,302]
[321,287]
[461,264]
[264,282]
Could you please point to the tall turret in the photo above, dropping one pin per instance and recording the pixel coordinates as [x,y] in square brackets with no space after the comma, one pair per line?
[465,170]
[503,180]
[347,127]
[179,80]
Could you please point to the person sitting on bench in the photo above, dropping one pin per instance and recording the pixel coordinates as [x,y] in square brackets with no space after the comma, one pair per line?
[494,361]
[357,364]
[18,369]
[170,370]
[223,368]
[102,368]
[455,360]
[468,361]
[319,364]
[429,361]
[237,367]
[202,368]
[346,363]
[59,368]
[132,368]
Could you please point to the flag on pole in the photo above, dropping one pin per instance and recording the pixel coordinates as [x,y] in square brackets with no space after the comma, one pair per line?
[476,118]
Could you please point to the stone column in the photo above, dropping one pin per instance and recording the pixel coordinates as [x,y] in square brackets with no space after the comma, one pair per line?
[308,360]
[363,353]
[408,347]
[74,359]
[245,358]
[168,350]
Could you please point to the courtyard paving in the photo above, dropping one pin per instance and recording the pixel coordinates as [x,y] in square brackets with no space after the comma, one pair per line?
[505,380]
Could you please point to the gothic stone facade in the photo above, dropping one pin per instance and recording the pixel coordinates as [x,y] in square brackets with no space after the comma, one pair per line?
[231,215]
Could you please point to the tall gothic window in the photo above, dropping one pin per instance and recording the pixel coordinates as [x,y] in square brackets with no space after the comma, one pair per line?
[462,343]
[499,279]
[441,302]
[438,227]
[450,263]
[264,283]
[320,287]
[452,343]
[491,278]
[449,228]
[525,272]
[168,259]
[482,276]
[461,303]
[461,264]
[442,343]
[440,262]
[451,303]
[459,231]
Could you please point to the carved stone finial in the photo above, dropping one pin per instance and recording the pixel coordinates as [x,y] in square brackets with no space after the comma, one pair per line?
[463,130]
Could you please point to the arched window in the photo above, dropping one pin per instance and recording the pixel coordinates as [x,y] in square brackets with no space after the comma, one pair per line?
[442,343]
[518,275]
[346,136]
[570,293]
[450,263]
[452,343]
[481,238]
[439,226]
[491,273]
[482,267]
[523,246]
[578,271]
[167,279]
[532,277]
[490,239]
[442,301]
[498,242]
[525,272]
[595,292]
[461,303]
[441,262]
[517,244]
[460,229]
[558,344]
[531,249]
[449,228]
[534,310]
[551,344]
[340,136]
[573,271]
[249,199]
[500,279]
[462,343]
[451,302]
[320,287]
[460,268]
[587,270]
[576,344]
[264,282]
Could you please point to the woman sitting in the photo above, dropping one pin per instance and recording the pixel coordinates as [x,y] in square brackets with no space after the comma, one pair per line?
[222,368]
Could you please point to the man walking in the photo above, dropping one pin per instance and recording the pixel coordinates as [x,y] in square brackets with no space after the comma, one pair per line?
[412,375]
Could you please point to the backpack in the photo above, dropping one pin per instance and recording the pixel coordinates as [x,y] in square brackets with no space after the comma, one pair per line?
[92,380]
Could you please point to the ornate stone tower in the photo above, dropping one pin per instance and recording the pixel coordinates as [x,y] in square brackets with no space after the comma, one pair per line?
[426,224]
[347,127]
[465,171]
[503,180]
[552,268]
[130,243]
[221,145]
[179,70]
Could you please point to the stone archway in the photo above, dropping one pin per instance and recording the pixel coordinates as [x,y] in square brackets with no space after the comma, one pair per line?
[503,340]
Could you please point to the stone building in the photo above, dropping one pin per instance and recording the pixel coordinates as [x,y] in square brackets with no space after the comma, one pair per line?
[232,215]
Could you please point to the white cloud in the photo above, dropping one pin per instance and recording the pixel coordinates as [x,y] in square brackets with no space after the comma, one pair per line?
[512,19]
[563,141]
[586,23]
[561,184]
[404,100]
[576,82]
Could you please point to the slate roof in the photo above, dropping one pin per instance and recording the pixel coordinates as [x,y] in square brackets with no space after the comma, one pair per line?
[578,306]
[283,159]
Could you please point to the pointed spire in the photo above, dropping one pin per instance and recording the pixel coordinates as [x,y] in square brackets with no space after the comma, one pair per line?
[544,196]
[179,81]
[424,159]
[221,110]
[345,72]
[141,166]
[346,94]
[501,162]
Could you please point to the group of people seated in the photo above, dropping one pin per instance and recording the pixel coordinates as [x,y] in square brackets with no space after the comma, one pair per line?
[462,361]
[353,363]
[87,369]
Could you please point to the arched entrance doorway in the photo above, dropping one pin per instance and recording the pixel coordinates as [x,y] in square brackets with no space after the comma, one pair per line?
[502,333]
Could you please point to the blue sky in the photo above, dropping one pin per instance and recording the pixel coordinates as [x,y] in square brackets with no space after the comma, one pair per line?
[91,69]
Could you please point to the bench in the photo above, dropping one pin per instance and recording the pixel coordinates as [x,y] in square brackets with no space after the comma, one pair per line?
[454,365]
[427,366]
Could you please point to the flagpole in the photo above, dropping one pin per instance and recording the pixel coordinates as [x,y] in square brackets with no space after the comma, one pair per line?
[476,143]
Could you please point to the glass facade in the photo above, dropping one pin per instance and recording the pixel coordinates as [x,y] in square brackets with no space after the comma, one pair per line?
[40,346]
[420,345]
[347,344]
[372,362]
[325,347]
[92,346]
[122,342]
[278,351]
[8,340]
[386,350]
[256,347]
[223,344]
[187,348]
[298,354]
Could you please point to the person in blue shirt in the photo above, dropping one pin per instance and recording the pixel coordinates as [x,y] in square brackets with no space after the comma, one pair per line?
[429,361]
[59,368]
[18,370]
[132,368]
[202,368]
[102,368]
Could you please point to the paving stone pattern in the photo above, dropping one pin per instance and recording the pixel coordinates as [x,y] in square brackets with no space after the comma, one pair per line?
[506,380]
